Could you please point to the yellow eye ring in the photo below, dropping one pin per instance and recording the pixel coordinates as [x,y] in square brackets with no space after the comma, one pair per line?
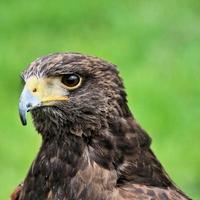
[71,81]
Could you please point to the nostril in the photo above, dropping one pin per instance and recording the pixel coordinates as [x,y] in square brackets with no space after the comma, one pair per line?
[35,90]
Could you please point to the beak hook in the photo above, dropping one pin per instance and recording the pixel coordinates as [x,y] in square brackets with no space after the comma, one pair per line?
[27,102]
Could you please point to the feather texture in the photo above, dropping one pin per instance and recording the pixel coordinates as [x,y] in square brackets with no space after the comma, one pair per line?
[92,146]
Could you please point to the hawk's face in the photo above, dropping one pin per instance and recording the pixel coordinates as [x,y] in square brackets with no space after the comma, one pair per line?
[71,89]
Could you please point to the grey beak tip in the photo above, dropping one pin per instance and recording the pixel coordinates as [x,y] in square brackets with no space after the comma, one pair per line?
[24,123]
[26,103]
[23,117]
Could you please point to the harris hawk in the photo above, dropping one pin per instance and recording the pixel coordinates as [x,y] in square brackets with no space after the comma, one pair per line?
[92,147]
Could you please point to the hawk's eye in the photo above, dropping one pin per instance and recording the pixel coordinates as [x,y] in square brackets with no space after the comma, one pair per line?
[72,81]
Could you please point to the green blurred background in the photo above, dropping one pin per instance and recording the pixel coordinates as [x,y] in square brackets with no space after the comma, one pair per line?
[156,45]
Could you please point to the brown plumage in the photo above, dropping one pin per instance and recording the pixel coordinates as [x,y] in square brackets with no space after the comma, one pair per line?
[92,147]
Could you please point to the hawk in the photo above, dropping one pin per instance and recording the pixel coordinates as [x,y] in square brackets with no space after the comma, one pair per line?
[92,147]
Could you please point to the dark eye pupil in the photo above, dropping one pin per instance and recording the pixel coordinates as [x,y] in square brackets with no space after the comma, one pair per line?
[71,80]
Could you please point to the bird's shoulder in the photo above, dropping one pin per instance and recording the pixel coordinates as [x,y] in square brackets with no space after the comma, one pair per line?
[143,192]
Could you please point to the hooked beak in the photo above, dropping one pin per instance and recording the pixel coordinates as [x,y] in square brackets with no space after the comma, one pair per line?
[26,103]
[39,92]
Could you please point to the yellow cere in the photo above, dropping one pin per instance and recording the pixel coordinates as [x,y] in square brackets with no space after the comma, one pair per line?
[46,89]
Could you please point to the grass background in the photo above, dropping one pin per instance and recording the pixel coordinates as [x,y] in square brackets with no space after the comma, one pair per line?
[156,45]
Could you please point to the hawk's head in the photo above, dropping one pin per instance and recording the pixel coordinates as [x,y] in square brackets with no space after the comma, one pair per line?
[72,90]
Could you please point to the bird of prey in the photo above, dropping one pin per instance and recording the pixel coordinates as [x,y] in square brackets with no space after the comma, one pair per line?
[92,147]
